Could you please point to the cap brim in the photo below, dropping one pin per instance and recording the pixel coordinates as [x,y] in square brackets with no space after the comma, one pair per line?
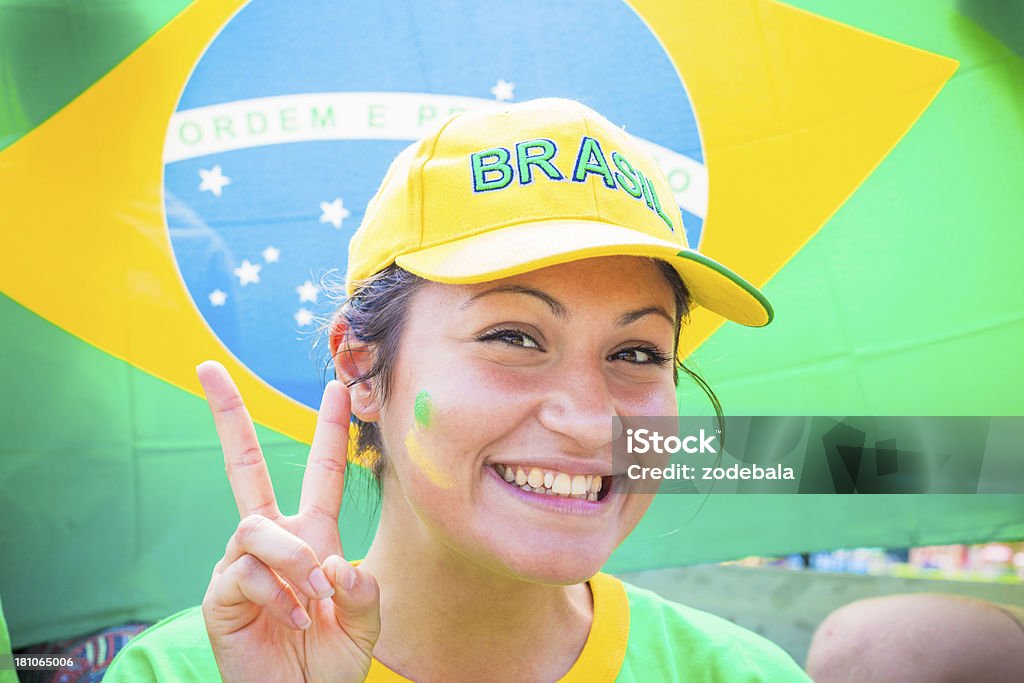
[524,247]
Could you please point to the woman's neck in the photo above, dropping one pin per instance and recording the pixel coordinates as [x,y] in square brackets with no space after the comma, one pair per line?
[444,617]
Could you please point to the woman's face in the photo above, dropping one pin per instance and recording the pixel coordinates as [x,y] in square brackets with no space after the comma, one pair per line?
[526,373]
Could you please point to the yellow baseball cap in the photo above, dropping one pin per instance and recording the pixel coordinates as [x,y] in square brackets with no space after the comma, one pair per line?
[504,191]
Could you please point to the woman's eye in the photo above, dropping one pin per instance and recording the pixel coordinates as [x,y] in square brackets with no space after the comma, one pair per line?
[642,356]
[512,338]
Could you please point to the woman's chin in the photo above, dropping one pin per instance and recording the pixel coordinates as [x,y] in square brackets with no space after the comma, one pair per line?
[556,566]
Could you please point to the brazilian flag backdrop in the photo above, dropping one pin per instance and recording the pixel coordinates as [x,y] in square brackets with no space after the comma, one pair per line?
[175,176]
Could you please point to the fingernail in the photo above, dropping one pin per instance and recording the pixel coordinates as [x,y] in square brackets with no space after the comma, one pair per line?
[318,580]
[351,578]
[300,618]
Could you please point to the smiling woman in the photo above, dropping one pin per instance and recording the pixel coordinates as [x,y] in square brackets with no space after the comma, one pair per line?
[517,282]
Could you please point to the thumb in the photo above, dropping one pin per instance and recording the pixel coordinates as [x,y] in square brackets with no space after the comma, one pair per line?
[356,602]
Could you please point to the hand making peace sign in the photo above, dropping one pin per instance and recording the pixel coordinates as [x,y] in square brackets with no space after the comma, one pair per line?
[283,604]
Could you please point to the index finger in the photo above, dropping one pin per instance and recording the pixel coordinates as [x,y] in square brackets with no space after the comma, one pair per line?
[243,458]
[324,481]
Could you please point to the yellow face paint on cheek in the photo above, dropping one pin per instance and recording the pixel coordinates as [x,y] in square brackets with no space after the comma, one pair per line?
[430,469]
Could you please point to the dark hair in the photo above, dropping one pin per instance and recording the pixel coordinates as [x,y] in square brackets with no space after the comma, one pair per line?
[377,313]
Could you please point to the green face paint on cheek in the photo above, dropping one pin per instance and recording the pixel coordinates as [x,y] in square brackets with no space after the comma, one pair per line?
[421,409]
[421,413]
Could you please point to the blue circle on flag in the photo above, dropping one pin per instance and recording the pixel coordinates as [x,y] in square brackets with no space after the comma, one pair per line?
[293,114]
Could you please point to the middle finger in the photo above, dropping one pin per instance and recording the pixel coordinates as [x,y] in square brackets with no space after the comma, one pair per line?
[243,458]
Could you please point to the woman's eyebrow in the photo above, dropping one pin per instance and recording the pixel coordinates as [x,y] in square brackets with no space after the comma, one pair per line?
[633,316]
[557,307]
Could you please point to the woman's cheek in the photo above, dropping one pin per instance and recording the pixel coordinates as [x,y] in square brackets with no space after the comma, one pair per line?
[421,457]
[435,442]
[424,439]
[656,398]
[494,381]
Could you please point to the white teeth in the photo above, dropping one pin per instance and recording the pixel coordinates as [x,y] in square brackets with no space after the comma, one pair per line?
[535,478]
[579,484]
[551,483]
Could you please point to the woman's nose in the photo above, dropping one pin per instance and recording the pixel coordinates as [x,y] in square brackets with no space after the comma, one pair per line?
[579,405]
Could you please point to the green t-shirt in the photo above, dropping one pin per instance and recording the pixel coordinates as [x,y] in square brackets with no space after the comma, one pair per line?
[7,673]
[636,637]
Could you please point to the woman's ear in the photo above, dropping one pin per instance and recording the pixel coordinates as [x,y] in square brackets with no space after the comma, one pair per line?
[353,359]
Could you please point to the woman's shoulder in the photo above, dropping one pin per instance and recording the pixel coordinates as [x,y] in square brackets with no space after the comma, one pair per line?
[173,649]
[674,642]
